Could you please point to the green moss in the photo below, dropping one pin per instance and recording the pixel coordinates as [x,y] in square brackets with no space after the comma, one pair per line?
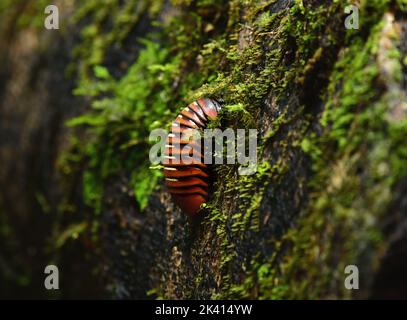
[19,15]
[342,220]
[121,120]
[249,86]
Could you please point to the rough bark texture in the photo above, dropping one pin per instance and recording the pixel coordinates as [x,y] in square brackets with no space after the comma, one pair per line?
[330,107]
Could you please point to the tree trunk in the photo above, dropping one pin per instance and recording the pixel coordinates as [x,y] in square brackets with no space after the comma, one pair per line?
[330,107]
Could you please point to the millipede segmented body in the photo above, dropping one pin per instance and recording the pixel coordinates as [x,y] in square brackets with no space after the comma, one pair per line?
[189,182]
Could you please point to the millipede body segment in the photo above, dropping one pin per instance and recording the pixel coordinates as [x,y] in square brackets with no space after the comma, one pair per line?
[188,181]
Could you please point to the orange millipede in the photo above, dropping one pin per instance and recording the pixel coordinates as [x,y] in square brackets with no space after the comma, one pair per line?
[188,183]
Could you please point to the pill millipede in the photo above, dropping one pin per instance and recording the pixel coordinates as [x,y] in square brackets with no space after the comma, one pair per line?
[188,181]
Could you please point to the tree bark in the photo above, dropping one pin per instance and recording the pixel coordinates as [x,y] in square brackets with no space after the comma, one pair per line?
[330,108]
